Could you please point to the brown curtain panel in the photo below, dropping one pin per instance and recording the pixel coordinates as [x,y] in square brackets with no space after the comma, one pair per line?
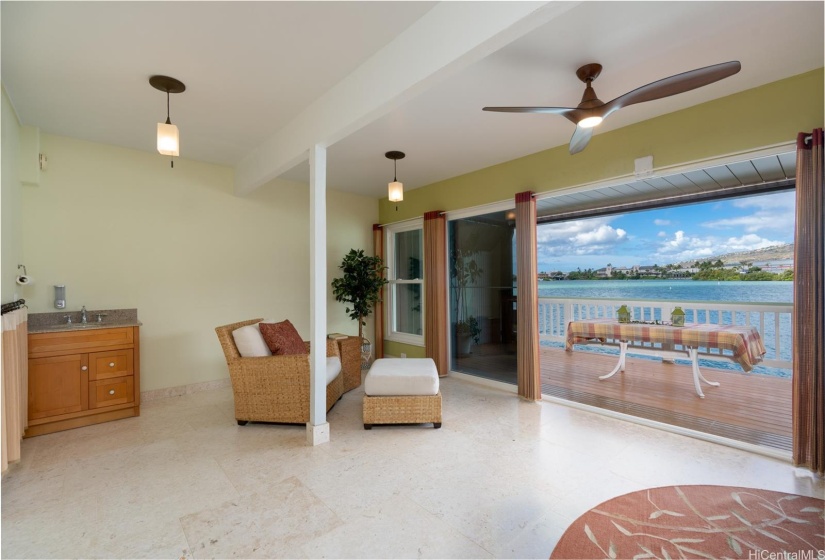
[378,336]
[809,306]
[527,322]
[435,290]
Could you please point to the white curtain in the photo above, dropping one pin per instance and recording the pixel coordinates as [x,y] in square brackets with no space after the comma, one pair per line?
[15,386]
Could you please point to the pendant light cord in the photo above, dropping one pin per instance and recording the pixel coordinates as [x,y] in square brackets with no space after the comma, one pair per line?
[167,108]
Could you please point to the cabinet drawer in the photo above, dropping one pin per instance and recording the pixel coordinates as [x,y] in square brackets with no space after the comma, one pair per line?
[72,341]
[115,363]
[108,392]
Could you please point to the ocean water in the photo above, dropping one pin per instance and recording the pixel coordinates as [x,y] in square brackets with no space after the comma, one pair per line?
[682,291]
[676,290]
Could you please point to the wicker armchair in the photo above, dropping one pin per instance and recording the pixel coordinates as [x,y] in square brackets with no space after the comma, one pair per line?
[272,388]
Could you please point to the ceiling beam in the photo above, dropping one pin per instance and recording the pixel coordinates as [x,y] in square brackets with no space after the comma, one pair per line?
[446,39]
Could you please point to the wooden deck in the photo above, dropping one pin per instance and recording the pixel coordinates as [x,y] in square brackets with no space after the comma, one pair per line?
[746,407]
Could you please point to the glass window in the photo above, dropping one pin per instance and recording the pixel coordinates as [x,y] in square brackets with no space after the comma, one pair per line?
[405,261]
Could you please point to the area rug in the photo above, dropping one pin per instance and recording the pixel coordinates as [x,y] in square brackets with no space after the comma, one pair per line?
[699,522]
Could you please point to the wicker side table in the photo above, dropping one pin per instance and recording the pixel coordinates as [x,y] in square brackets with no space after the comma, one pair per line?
[350,348]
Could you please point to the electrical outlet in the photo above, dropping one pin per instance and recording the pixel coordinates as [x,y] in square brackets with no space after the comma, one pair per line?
[403,355]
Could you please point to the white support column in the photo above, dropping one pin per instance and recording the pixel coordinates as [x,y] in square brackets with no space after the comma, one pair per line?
[317,427]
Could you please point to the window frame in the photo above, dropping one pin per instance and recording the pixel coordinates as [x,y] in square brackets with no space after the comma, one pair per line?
[389,299]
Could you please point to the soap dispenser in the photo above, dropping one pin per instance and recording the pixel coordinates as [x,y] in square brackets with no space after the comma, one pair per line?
[60,296]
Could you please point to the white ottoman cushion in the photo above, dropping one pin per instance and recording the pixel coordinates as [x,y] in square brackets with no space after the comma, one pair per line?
[401,377]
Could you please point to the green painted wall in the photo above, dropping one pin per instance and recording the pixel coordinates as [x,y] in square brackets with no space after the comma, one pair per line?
[763,116]
[397,348]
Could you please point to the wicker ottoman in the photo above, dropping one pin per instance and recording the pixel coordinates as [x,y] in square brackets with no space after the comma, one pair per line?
[402,391]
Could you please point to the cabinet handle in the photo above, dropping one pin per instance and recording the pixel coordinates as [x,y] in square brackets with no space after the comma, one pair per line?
[83,368]
[111,364]
[111,391]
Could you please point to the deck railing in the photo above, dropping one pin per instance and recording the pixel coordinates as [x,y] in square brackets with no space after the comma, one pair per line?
[772,320]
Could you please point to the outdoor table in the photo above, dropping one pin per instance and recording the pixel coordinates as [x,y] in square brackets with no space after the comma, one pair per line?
[744,342]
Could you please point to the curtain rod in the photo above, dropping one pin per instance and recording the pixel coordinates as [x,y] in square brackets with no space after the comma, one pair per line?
[13,306]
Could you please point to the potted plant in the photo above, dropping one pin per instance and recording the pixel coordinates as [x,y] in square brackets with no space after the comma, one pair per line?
[464,271]
[360,287]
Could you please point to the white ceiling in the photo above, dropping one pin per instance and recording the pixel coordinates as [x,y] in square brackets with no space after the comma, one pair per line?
[81,69]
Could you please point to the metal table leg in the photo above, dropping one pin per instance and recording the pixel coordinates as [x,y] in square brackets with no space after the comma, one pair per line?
[620,365]
[697,374]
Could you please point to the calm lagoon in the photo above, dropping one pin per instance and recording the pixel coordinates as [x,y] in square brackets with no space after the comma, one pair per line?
[665,290]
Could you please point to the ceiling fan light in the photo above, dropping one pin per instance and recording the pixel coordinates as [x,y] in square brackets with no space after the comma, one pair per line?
[168,140]
[396,191]
[590,122]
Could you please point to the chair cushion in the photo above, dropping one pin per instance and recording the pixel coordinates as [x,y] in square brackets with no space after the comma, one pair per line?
[282,338]
[333,368]
[250,343]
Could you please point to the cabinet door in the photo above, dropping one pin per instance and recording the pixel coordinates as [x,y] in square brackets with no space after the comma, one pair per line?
[58,385]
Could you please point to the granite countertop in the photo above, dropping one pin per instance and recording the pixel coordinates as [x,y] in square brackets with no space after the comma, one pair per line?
[56,321]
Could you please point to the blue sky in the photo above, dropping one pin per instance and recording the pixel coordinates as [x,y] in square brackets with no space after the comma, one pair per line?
[671,235]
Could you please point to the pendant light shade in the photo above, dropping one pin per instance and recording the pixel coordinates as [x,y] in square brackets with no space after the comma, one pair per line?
[395,189]
[168,136]
[168,140]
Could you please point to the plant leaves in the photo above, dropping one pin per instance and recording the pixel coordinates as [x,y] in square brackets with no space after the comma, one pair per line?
[718,517]
[621,529]
[665,554]
[734,545]
[648,551]
[740,518]
[611,551]
[811,509]
[697,553]
[590,534]
[735,496]
[684,540]
[659,513]
[768,534]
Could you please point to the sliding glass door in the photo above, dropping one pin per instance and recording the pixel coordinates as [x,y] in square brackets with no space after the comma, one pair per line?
[482,284]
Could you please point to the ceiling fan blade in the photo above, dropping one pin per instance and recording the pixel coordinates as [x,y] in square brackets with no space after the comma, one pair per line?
[673,85]
[580,139]
[571,113]
[552,110]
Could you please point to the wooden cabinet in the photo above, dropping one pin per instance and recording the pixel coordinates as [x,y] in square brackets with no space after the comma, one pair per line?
[82,377]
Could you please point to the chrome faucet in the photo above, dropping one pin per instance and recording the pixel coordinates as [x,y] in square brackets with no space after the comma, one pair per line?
[83,315]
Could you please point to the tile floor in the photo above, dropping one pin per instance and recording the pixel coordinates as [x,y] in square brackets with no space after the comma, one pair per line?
[502,478]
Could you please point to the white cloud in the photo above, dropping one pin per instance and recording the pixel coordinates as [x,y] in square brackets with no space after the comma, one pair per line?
[579,237]
[775,212]
[660,222]
[683,247]
[661,234]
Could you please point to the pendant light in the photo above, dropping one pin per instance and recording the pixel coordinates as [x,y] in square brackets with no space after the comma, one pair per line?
[168,138]
[395,189]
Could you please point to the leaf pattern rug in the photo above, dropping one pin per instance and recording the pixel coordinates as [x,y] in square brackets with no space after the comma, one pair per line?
[699,522]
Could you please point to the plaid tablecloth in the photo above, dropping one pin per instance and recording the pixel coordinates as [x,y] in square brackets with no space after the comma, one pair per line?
[744,342]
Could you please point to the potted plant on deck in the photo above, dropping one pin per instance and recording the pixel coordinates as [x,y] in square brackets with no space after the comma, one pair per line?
[360,287]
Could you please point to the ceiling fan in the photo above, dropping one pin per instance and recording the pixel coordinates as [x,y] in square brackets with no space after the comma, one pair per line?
[592,111]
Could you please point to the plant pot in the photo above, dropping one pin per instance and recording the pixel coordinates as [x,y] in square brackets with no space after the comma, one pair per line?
[366,353]
[464,344]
